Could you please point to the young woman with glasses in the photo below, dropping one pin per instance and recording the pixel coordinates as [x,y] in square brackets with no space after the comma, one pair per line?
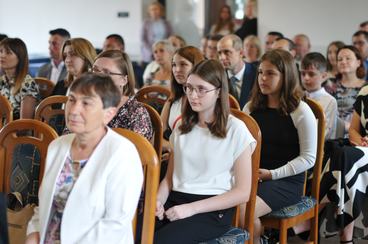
[210,171]
[183,61]
[131,114]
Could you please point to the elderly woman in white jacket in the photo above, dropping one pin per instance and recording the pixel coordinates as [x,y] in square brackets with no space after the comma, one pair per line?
[93,176]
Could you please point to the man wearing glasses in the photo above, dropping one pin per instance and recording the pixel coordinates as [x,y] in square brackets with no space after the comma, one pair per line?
[360,41]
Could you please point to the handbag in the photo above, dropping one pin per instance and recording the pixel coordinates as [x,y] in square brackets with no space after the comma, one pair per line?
[18,218]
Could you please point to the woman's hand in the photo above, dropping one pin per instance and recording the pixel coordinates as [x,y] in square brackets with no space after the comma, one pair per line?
[33,238]
[364,142]
[180,212]
[264,174]
[160,210]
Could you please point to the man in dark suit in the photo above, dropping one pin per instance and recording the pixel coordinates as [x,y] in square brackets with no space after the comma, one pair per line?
[55,70]
[241,76]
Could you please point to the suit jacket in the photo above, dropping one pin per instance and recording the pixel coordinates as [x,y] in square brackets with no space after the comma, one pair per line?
[102,203]
[249,77]
[45,71]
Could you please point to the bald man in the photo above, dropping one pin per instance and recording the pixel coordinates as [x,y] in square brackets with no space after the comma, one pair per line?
[302,46]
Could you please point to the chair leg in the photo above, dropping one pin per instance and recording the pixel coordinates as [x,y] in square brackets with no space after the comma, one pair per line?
[283,233]
[314,228]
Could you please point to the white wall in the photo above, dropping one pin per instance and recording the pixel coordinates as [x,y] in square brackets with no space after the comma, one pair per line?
[322,20]
[31,20]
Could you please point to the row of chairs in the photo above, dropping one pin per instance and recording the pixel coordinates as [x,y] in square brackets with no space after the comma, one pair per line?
[150,176]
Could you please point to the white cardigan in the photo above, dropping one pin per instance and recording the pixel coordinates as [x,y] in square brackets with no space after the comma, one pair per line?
[102,203]
[306,125]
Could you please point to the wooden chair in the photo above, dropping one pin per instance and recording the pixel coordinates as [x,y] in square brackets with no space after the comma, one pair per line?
[250,205]
[157,129]
[233,102]
[6,111]
[45,86]
[151,167]
[283,223]
[22,154]
[50,111]
[154,95]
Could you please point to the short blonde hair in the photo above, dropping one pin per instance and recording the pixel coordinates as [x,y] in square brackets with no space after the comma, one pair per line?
[254,40]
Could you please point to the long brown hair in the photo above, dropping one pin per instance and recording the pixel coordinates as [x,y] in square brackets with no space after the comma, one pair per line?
[221,23]
[194,56]
[83,49]
[212,72]
[122,61]
[290,94]
[18,47]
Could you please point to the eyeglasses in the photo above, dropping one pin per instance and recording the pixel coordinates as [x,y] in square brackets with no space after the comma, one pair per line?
[104,71]
[200,91]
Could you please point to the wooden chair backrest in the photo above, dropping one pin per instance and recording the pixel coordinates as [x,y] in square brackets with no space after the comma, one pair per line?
[151,167]
[320,116]
[250,205]
[6,111]
[10,138]
[49,108]
[153,95]
[157,129]
[45,86]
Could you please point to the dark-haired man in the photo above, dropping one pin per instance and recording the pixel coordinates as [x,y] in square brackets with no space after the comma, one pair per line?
[55,70]
[360,41]
[114,42]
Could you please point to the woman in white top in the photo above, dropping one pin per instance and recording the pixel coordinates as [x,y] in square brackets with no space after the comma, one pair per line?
[93,176]
[183,61]
[210,171]
[289,134]
[224,24]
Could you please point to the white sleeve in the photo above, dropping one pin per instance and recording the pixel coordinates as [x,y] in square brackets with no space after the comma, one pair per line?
[306,125]
[122,193]
[331,119]
[246,108]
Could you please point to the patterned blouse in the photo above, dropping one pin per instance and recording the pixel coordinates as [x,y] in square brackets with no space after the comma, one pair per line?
[64,185]
[28,88]
[133,116]
[345,97]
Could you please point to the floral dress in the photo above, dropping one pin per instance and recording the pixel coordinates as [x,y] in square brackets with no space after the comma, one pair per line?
[64,185]
[133,116]
[28,88]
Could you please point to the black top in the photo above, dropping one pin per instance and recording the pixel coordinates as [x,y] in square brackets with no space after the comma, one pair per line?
[280,140]
[3,220]
[60,88]
[249,27]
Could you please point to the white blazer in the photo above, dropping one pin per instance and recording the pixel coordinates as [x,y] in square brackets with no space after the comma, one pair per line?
[102,203]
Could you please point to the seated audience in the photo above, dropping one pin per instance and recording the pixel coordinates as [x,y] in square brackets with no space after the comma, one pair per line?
[114,42]
[159,72]
[78,55]
[360,41]
[349,81]
[241,76]
[55,70]
[93,177]
[302,46]
[183,61]
[289,134]
[313,71]
[188,199]
[131,114]
[332,58]
[211,47]
[270,38]
[177,41]
[15,83]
